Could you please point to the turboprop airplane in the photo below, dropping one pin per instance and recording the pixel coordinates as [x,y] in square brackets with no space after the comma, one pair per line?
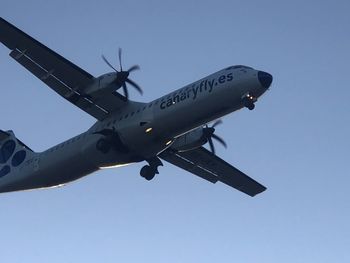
[172,128]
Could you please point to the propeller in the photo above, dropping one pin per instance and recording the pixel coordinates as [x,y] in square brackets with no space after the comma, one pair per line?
[210,135]
[123,76]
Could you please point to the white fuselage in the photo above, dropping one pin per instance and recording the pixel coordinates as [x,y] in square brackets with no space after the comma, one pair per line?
[145,129]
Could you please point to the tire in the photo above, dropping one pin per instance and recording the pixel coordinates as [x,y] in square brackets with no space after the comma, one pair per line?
[251,106]
[147,172]
[248,103]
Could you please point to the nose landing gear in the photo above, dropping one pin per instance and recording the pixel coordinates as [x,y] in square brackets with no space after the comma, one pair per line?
[248,101]
[149,171]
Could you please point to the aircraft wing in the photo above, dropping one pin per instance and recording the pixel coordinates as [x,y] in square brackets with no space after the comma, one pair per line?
[210,167]
[64,77]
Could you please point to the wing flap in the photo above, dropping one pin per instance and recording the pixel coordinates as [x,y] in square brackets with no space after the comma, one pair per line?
[14,38]
[189,166]
[64,77]
[212,168]
[50,79]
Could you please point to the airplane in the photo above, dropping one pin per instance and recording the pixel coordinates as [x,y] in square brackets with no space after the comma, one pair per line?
[173,128]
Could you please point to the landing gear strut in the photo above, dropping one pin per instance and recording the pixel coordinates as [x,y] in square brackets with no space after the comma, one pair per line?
[149,171]
[248,101]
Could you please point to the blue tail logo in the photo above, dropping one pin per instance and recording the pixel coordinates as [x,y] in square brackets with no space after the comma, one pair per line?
[12,152]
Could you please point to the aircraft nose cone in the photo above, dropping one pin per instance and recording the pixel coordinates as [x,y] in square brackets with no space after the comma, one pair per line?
[265,79]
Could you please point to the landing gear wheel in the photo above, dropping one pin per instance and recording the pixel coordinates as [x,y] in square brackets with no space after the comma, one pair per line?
[251,106]
[147,172]
[249,103]
[103,146]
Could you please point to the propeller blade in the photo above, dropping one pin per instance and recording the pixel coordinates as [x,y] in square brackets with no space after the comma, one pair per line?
[208,131]
[136,86]
[109,64]
[120,58]
[133,68]
[218,122]
[219,139]
[122,76]
[125,90]
[211,144]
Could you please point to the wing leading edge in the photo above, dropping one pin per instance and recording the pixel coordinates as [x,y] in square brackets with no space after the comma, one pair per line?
[64,77]
[210,167]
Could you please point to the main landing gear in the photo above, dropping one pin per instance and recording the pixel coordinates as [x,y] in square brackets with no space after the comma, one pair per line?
[149,171]
[248,101]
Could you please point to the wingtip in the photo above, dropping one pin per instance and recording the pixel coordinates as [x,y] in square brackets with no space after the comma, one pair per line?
[263,189]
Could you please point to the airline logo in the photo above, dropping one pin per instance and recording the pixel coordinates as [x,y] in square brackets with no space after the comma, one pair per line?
[192,91]
[9,157]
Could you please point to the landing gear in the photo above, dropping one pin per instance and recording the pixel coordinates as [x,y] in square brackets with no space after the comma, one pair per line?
[149,171]
[250,106]
[103,146]
[248,101]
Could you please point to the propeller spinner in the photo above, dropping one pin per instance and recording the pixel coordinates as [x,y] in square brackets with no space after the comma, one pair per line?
[210,135]
[123,76]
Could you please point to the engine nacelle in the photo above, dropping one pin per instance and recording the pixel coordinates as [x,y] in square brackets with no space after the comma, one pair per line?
[102,84]
[189,141]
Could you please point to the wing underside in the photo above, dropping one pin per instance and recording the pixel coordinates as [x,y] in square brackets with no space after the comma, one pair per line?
[64,77]
[210,167]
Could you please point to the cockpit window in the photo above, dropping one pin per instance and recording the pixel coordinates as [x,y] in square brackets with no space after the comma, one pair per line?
[7,150]
[238,66]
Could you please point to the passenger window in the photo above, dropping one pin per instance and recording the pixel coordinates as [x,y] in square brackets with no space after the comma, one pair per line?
[132,114]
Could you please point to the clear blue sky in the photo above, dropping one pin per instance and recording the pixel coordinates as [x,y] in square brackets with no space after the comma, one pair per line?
[296,141]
